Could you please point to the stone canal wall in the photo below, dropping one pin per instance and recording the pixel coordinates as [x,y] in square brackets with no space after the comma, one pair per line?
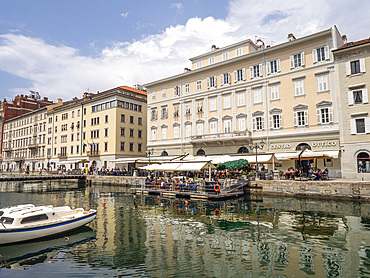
[332,189]
[336,189]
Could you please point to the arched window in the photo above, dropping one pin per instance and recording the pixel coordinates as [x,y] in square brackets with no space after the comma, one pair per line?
[201,152]
[363,162]
[164,153]
[243,150]
[303,146]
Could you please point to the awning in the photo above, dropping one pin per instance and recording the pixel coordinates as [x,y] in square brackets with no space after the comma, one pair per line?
[193,166]
[261,158]
[177,166]
[73,161]
[161,167]
[307,154]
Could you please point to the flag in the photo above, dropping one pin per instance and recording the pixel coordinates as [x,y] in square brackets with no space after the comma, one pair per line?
[85,145]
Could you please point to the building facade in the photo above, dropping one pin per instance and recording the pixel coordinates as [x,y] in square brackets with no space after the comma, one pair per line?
[351,62]
[284,95]
[93,130]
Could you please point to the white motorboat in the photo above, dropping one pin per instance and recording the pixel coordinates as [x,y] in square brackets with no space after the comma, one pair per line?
[27,222]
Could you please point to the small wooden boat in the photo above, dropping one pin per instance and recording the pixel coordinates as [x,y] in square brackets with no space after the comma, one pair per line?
[28,222]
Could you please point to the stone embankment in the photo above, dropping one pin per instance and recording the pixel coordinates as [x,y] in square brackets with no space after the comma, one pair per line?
[331,189]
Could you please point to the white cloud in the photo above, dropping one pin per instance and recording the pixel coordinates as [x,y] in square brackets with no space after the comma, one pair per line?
[60,71]
[177,6]
[124,14]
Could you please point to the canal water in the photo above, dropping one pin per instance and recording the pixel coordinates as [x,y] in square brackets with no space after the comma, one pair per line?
[147,236]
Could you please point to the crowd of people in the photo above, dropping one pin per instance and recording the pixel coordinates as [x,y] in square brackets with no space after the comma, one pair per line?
[311,174]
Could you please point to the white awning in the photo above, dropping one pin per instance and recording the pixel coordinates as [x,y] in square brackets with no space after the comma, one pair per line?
[261,158]
[161,167]
[307,154]
[193,166]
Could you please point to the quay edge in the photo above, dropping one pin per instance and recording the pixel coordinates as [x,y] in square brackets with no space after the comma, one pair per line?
[331,189]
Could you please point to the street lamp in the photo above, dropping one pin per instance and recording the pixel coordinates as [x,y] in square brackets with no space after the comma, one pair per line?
[149,152]
[256,146]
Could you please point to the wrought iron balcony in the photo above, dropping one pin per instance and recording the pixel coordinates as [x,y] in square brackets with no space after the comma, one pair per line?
[93,153]
[62,155]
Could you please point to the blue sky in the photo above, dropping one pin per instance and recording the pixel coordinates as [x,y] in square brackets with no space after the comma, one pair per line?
[63,48]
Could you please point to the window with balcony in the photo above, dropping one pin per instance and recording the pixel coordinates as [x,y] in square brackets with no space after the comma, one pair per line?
[227,125]
[213,127]
[242,126]
[200,128]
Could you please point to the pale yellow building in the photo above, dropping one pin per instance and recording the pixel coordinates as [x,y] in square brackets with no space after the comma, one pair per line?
[352,61]
[246,92]
[97,129]
[24,142]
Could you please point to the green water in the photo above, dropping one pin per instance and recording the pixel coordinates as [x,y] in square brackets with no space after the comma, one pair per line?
[146,236]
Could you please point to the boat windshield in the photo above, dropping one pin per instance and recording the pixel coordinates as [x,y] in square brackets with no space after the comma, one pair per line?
[34,218]
[7,220]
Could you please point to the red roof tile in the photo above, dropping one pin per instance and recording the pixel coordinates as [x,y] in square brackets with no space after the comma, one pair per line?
[350,44]
[134,90]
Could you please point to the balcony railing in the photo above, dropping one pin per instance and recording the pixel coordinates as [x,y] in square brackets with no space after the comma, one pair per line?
[32,145]
[93,153]
[62,155]
[220,136]
[7,149]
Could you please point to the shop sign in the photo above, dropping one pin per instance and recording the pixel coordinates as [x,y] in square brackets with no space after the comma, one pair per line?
[280,146]
[324,144]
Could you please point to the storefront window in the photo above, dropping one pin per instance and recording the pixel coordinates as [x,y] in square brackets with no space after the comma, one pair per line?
[363,162]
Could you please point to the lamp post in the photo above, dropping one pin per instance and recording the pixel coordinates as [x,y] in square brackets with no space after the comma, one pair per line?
[149,152]
[256,146]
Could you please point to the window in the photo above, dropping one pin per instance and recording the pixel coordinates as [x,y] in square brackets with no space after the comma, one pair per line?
[257,95]
[225,78]
[199,85]
[198,64]
[153,94]
[71,149]
[274,92]
[187,88]
[363,162]
[320,54]
[131,132]
[225,56]
[239,75]
[355,67]
[211,82]
[164,112]
[176,131]
[297,60]
[240,96]
[299,87]
[275,119]
[212,104]
[140,133]
[123,131]
[95,121]
[77,149]
[63,138]
[258,123]
[212,60]
[164,94]
[122,146]
[140,121]
[187,108]
[360,125]
[154,114]
[242,124]
[300,118]
[200,128]
[213,127]
[187,130]
[106,119]
[105,146]
[238,52]
[94,134]
[359,96]
[154,134]
[227,103]
[164,133]
[255,71]
[64,116]
[227,126]
[322,83]
[63,127]
[139,147]
[176,91]
[72,137]
[131,147]
[85,111]
[273,66]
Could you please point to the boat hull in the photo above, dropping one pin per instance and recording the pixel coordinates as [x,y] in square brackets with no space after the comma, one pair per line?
[8,236]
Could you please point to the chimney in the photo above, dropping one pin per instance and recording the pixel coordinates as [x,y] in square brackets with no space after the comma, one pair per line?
[85,94]
[260,44]
[213,48]
[187,69]
[291,37]
[60,101]
[344,39]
